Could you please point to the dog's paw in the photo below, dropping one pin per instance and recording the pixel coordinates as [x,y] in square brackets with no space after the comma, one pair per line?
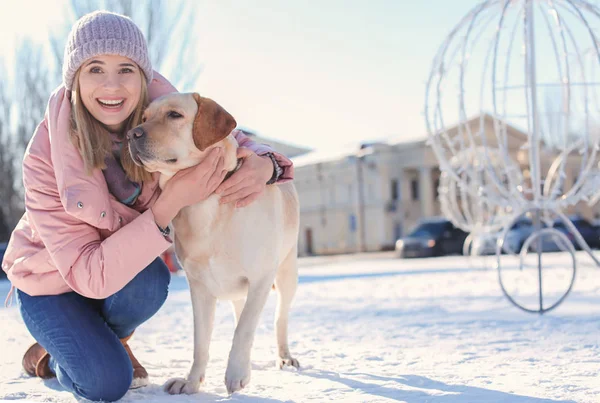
[288,361]
[237,377]
[178,386]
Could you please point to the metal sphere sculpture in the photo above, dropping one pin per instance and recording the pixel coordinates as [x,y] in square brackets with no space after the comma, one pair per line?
[518,77]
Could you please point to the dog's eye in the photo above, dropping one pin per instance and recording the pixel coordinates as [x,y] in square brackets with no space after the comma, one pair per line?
[174,115]
[171,161]
[143,119]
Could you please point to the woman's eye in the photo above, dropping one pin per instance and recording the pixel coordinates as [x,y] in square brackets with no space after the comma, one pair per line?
[174,115]
[95,70]
[126,70]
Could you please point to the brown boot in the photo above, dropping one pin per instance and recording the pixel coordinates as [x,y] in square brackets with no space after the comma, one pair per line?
[35,362]
[140,375]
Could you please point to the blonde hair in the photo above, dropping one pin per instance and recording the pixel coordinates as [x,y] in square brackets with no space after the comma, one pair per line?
[93,141]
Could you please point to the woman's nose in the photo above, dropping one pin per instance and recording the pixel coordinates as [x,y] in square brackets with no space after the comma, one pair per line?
[112,81]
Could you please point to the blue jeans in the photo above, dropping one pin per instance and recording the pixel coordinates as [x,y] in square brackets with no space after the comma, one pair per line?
[82,334]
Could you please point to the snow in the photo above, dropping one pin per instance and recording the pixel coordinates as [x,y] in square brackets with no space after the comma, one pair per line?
[373,328]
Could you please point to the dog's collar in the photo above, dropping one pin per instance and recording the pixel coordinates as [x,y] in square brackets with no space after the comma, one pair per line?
[237,167]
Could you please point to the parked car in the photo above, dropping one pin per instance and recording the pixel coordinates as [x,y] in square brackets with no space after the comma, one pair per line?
[589,233]
[432,237]
[2,251]
[523,228]
[485,244]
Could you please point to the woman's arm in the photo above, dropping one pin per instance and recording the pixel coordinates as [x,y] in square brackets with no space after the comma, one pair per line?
[262,149]
[92,267]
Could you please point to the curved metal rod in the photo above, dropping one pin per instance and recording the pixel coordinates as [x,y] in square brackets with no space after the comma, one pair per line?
[496,42]
[554,168]
[565,87]
[439,65]
[504,127]
[591,159]
[467,244]
[534,237]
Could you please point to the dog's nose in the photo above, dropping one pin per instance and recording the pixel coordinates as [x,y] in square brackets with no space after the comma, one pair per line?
[136,133]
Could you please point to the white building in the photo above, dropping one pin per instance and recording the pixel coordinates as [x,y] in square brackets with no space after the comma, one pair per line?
[365,198]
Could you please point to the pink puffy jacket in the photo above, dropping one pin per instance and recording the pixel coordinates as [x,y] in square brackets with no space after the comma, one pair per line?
[74,235]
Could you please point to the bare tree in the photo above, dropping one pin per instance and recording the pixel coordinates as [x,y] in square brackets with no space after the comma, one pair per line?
[21,109]
[7,168]
[161,22]
[35,82]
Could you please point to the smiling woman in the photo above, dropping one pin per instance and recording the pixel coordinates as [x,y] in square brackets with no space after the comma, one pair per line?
[85,257]
[109,94]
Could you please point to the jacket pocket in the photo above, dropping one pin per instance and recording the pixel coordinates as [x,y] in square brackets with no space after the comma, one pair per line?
[88,205]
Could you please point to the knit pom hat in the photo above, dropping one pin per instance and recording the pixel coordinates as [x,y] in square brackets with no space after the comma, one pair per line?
[100,33]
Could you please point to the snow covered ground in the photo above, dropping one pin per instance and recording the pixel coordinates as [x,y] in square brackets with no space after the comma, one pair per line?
[372,328]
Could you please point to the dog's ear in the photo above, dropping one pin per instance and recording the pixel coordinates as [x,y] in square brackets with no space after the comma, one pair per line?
[211,124]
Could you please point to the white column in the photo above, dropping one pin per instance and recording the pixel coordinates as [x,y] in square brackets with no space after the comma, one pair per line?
[426,194]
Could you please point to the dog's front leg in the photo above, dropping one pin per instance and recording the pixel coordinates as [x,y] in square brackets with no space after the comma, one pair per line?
[238,371]
[203,305]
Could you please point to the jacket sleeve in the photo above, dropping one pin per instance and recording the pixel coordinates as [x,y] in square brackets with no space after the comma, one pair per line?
[261,149]
[92,267]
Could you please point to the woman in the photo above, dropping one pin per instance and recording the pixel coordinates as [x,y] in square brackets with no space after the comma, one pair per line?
[84,257]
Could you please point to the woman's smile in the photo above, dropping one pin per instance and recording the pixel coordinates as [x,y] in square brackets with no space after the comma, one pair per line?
[111,105]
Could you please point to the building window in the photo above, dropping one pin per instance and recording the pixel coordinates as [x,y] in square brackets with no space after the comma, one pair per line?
[394,189]
[414,189]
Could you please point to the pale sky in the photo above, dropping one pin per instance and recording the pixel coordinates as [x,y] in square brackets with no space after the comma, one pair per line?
[317,73]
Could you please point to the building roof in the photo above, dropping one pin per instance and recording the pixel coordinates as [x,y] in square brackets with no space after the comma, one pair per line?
[353,149]
[327,155]
[290,150]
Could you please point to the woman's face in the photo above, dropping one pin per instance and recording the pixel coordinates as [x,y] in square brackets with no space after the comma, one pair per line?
[110,88]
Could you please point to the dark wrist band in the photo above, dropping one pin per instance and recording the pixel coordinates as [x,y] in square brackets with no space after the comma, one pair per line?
[277,170]
[165,231]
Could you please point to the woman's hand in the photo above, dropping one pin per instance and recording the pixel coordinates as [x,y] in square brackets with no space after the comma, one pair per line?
[195,184]
[189,186]
[244,186]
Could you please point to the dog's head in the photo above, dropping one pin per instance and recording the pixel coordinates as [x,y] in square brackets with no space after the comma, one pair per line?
[177,131]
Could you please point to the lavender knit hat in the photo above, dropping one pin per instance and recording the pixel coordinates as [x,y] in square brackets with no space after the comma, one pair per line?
[103,32]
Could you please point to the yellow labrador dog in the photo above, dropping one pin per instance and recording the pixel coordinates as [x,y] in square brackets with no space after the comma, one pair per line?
[227,253]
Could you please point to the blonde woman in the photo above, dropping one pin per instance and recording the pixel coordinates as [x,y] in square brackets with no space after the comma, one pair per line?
[84,257]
